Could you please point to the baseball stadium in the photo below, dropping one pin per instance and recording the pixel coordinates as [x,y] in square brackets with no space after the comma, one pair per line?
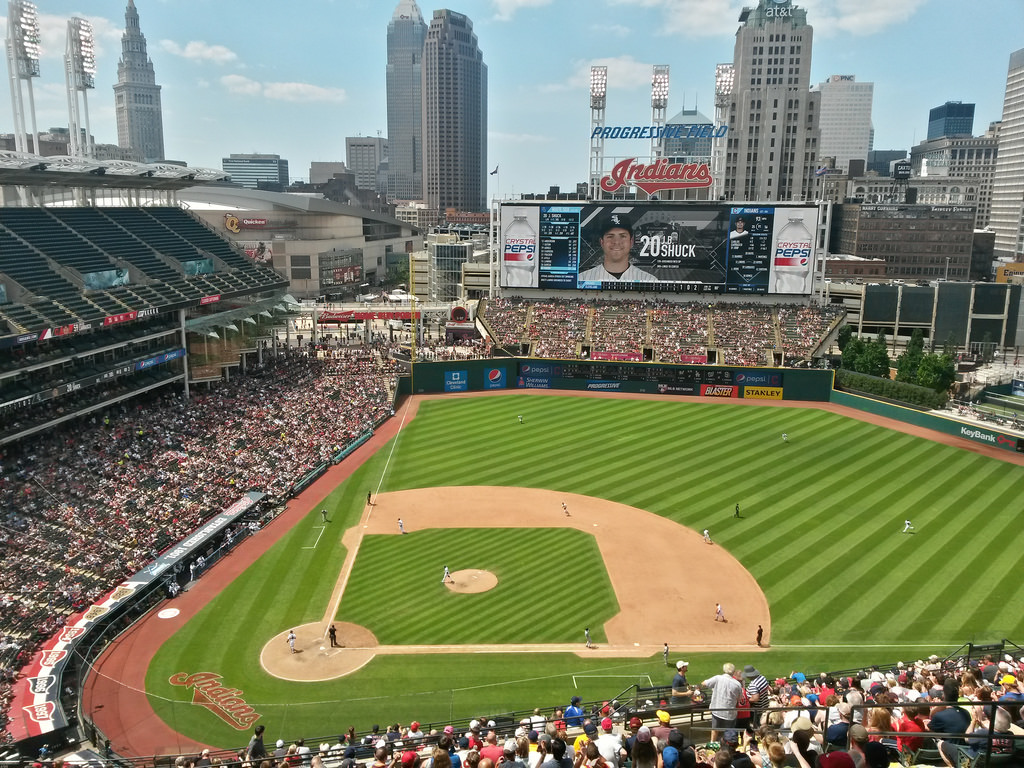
[317,538]
[386,527]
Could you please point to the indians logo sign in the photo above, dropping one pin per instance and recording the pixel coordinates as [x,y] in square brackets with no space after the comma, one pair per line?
[661,174]
[209,691]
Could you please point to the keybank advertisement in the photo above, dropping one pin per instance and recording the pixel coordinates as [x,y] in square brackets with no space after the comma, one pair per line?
[661,247]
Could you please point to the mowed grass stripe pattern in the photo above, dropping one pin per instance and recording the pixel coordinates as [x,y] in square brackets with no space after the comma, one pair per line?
[820,531]
[426,612]
[822,514]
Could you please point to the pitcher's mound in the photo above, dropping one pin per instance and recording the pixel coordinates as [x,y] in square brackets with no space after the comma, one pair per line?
[471,581]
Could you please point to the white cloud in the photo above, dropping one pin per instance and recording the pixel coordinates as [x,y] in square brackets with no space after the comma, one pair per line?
[197,50]
[694,18]
[700,18]
[623,72]
[506,9]
[295,92]
[519,138]
[611,30]
[863,17]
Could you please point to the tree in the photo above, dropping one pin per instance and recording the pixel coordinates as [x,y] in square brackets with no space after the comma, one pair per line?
[936,372]
[907,363]
[874,361]
[852,352]
[844,336]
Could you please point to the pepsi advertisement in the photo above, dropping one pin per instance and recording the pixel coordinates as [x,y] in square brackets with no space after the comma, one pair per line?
[659,247]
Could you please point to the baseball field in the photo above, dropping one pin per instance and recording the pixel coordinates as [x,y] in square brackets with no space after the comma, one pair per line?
[817,556]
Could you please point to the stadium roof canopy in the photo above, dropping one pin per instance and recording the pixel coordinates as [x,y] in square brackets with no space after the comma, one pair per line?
[20,169]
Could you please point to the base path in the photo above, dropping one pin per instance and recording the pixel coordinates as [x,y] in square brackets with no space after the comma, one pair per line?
[692,576]
[114,692]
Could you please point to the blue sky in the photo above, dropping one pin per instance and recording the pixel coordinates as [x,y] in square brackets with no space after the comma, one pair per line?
[296,78]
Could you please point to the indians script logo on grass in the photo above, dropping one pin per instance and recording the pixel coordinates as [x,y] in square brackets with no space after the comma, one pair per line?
[226,703]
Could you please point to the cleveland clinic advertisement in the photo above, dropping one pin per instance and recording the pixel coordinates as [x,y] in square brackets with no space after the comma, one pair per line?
[659,247]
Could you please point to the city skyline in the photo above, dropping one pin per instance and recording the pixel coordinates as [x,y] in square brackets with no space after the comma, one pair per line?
[298,85]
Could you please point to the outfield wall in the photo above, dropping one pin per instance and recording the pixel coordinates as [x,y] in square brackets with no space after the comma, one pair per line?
[612,376]
[947,426]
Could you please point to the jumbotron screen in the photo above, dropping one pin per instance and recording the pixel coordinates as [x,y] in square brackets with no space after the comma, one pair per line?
[658,246]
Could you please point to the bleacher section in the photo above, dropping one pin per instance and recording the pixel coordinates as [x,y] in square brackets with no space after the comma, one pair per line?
[54,255]
[743,334]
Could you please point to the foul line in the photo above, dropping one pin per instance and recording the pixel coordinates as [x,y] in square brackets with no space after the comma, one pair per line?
[353,550]
[322,529]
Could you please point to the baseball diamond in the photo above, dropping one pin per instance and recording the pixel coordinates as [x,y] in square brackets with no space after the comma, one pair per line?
[480,492]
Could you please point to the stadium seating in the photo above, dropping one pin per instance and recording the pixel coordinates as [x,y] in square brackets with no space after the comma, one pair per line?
[745,334]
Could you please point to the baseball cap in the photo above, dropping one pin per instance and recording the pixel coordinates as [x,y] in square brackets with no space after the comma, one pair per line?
[510,745]
[474,725]
[408,758]
[681,664]
[533,736]
[801,724]
[844,709]
[1008,680]
[575,699]
[731,737]
[635,722]
[663,715]
[606,724]
[449,729]
[644,734]
[590,729]
[615,221]
[858,733]
[876,755]
[464,742]
[280,743]
[835,760]
[415,725]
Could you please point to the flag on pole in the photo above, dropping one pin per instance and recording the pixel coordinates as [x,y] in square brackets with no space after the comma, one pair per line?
[495,171]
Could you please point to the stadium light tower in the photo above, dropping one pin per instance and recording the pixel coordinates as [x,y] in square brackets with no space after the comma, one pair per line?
[598,92]
[79,76]
[725,75]
[659,104]
[23,64]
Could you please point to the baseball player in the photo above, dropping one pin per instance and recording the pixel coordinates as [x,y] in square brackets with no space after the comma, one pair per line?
[401,526]
[719,613]
[707,536]
[907,526]
[586,634]
[565,509]
[291,640]
[447,577]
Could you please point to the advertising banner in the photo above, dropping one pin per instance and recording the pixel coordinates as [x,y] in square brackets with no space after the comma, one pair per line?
[719,390]
[494,378]
[759,378]
[659,246]
[35,705]
[109,278]
[456,381]
[762,393]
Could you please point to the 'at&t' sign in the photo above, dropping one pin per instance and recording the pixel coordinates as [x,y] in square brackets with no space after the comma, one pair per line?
[779,8]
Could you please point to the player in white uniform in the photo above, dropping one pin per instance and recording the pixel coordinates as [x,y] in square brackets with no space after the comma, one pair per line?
[447,576]
[707,536]
[616,243]
[907,526]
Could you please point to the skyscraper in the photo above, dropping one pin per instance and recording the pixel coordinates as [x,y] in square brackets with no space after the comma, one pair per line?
[364,156]
[454,115]
[845,119]
[406,35]
[772,144]
[954,118]
[1008,183]
[140,123]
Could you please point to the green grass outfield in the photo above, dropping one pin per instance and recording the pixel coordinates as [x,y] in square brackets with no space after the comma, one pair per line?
[822,516]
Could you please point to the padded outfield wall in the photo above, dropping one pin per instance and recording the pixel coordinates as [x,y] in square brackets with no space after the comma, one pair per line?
[611,376]
[948,426]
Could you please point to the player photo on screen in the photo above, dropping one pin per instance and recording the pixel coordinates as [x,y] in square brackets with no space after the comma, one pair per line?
[647,244]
